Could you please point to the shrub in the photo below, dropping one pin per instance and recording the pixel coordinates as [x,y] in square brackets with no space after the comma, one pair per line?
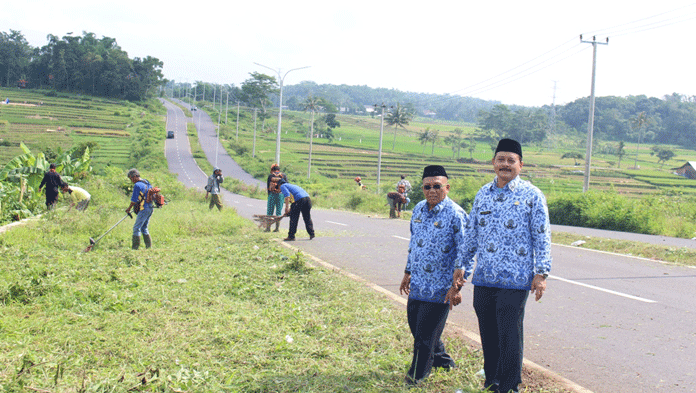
[605,210]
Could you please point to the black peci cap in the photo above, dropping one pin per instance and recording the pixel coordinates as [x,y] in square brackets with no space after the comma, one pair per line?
[509,145]
[434,170]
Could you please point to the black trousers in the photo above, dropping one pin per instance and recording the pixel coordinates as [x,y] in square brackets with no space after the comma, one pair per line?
[500,315]
[51,198]
[304,206]
[427,320]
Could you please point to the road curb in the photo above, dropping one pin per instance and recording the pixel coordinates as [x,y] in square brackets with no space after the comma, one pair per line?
[564,382]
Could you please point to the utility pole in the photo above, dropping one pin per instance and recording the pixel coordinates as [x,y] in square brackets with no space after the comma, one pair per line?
[253,149]
[552,121]
[590,122]
[236,138]
[379,158]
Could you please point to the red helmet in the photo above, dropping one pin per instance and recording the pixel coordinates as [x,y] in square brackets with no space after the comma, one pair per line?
[357,178]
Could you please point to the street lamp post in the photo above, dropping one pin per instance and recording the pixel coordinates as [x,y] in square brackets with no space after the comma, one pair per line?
[218,127]
[280,104]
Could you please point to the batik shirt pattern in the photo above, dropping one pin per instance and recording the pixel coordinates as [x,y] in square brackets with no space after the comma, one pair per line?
[437,246]
[509,233]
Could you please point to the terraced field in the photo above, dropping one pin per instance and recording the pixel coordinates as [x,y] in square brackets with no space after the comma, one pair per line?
[343,162]
[42,121]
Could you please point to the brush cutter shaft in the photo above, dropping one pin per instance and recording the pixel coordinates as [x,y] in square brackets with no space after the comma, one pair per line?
[115,225]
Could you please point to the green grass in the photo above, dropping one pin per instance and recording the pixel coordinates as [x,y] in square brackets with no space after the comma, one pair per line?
[240,314]
[212,306]
[678,255]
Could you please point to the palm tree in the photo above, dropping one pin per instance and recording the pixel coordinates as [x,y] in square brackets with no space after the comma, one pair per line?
[455,140]
[620,151]
[398,117]
[470,146]
[434,137]
[311,104]
[637,124]
[424,137]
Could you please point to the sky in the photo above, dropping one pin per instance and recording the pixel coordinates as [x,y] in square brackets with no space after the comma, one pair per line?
[518,53]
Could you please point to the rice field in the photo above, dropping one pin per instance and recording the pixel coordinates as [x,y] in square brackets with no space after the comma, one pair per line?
[44,122]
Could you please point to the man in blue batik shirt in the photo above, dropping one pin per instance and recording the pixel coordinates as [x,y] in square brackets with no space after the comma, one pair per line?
[436,248]
[509,233]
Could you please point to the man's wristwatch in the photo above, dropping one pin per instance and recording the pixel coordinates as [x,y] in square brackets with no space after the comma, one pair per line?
[545,275]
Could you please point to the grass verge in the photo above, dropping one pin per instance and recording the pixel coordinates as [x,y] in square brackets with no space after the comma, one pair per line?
[215,305]
[679,255]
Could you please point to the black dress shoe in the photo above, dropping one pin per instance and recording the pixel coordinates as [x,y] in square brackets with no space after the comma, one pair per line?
[289,239]
[311,237]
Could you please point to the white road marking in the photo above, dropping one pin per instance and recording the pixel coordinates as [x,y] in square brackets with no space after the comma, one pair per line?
[337,223]
[640,299]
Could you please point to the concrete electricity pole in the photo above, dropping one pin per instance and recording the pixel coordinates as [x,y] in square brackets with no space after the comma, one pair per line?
[590,122]
[379,158]
[236,138]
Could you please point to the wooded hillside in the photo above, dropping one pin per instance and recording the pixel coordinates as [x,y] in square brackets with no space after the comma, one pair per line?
[77,64]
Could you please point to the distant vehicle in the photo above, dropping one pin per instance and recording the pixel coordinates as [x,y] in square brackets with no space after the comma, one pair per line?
[170,134]
[193,108]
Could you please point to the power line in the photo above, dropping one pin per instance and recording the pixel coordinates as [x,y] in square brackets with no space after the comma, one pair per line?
[514,68]
[660,25]
[616,31]
[525,73]
[628,28]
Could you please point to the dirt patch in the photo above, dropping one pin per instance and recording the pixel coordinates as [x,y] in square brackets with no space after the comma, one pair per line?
[22,104]
[100,132]
[41,117]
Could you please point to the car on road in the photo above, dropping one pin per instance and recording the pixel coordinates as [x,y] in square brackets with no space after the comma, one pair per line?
[170,134]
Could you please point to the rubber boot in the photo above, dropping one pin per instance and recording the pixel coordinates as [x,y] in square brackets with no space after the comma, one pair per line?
[148,241]
[136,242]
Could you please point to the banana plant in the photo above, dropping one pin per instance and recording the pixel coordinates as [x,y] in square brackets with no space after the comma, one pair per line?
[20,179]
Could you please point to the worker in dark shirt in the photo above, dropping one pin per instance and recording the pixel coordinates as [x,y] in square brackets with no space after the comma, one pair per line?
[52,182]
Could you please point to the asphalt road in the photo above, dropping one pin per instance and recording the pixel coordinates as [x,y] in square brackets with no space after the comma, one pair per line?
[607,322]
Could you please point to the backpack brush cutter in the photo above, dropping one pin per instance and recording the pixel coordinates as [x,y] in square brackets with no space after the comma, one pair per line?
[92,242]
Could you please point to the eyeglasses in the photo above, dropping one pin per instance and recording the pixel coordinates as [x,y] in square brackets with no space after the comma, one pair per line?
[435,186]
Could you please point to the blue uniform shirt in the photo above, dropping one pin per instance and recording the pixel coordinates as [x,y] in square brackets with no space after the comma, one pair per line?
[296,191]
[509,233]
[436,248]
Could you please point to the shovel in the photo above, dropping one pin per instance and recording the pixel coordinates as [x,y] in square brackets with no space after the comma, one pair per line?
[92,242]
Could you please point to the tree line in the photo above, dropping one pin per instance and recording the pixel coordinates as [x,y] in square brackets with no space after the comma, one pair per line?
[638,119]
[78,64]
